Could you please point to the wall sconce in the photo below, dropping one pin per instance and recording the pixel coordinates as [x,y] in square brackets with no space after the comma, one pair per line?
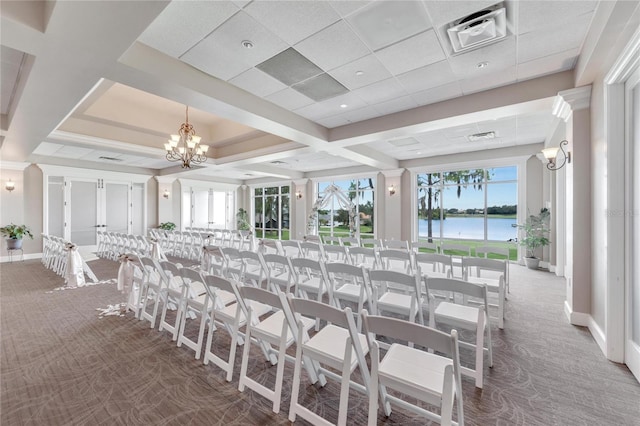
[298,195]
[551,153]
[10,185]
[166,194]
[392,189]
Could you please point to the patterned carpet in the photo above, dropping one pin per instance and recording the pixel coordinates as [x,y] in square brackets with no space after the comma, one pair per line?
[63,364]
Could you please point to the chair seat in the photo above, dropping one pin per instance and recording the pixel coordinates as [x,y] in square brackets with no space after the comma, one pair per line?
[414,369]
[272,326]
[330,342]
[435,274]
[493,284]
[225,296]
[313,284]
[349,291]
[461,313]
[395,300]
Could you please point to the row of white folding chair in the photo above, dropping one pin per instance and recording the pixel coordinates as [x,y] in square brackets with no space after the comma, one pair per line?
[324,347]
[54,255]
[113,244]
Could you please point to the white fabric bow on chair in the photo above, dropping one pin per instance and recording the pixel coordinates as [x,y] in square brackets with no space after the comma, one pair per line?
[74,276]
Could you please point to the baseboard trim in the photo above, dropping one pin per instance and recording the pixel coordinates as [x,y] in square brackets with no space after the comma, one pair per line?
[18,258]
[586,320]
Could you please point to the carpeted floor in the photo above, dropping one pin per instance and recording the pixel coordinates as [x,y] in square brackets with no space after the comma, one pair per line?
[63,365]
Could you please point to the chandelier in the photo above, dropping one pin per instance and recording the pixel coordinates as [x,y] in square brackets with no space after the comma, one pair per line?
[185,146]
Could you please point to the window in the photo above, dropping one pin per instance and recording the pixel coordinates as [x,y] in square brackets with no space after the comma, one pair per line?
[468,205]
[333,217]
[271,212]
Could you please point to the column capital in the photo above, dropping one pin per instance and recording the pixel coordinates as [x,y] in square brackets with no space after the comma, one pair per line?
[299,182]
[571,100]
[392,173]
[164,179]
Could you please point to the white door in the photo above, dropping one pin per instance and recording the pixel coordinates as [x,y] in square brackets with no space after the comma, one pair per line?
[82,212]
[632,338]
[116,207]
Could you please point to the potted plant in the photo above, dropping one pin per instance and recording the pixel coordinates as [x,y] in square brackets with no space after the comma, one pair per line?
[167,226]
[242,220]
[536,234]
[15,234]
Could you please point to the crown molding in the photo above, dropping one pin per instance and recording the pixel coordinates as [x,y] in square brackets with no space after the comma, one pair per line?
[571,100]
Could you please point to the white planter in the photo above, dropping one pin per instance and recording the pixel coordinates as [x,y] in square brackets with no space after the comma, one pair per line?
[13,244]
[532,262]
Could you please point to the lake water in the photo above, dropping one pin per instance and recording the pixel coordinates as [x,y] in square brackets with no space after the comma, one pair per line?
[472,228]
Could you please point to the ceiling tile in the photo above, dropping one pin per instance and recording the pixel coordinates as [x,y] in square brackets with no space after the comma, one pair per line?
[320,87]
[332,47]
[290,67]
[370,68]
[383,23]
[293,21]
[395,105]
[547,65]
[438,94]
[72,152]
[47,148]
[534,15]
[490,81]
[403,142]
[315,111]
[333,121]
[351,100]
[183,24]
[427,77]
[241,3]
[346,7]
[541,43]
[415,52]
[289,99]
[222,55]
[498,56]
[460,131]
[257,82]
[381,91]
[443,12]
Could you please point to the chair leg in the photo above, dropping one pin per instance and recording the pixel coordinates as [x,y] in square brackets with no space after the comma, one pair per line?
[295,385]
[480,351]
[373,394]
[344,385]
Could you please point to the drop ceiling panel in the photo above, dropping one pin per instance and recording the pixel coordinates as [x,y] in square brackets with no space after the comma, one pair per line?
[257,82]
[395,105]
[489,81]
[182,24]
[222,55]
[332,47]
[381,91]
[427,77]
[290,67]
[415,52]
[289,99]
[368,68]
[320,87]
[293,21]
[443,12]
[547,65]
[350,116]
[544,42]
[534,16]
[437,94]
[381,24]
[497,57]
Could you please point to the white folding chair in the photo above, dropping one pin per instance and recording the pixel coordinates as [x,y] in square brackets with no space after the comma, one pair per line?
[275,334]
[309,276]
[457,253]
[504,254]
[196,303]
[364,256]
[396,244]
[151,289]
[312,251]
[370,242]
[434,265]
[231,317]
[254,270]
[495,271]
[349,284]
[396,260]
[334,253]
[330,240]
[424,247]
[279,272]
[213,261]
[233,261]
[175,298]
[290,248]
[461,316]
[350,241]
[268,246]
[338,345]
[397,292]
[419,374]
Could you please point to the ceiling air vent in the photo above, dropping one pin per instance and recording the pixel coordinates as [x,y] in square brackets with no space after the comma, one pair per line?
[110,158]
[478,29]
[481,136]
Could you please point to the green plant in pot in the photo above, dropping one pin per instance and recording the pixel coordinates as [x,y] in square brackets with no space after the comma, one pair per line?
[167,226]
[535,235]
[15,234]
[242,220]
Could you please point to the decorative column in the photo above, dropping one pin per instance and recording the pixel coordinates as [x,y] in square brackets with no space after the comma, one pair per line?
[391,212]
[573,185]
[301,196]
[165,199]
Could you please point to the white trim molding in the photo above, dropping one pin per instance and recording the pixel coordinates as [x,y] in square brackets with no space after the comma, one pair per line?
[571,100]
[28,256]
[12,165]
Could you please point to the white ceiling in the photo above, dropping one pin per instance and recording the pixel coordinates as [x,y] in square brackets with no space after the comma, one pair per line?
[392,57]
